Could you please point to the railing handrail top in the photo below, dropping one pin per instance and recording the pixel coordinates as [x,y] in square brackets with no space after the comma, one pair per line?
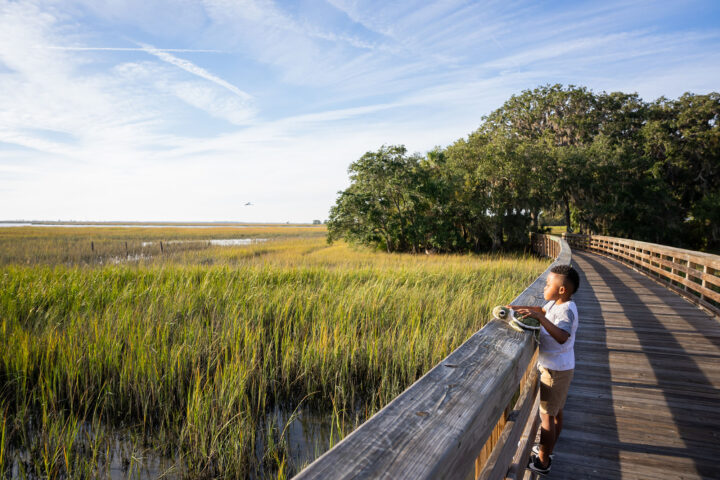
[451,388]
[714,259]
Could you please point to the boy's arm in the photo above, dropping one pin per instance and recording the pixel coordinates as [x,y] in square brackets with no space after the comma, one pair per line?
[517,308]
[556,332]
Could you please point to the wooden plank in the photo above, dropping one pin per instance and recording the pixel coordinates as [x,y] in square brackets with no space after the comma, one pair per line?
[496,440]
[647,256]
[613,462]
[690,255]
[438,425]
[697,300]
[491,443]
[697,287]
[644,360]
[501,456]
[613,244]
[522,455]
[646,391]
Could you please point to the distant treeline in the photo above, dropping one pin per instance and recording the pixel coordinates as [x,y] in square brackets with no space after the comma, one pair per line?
[605,163]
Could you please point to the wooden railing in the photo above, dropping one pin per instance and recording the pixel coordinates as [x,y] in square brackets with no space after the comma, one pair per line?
[695,275]
[473,415]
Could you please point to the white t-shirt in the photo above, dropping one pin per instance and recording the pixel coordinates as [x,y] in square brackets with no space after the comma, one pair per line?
[554,355]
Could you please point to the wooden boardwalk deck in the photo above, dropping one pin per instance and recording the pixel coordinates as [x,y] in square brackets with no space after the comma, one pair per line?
[645,400]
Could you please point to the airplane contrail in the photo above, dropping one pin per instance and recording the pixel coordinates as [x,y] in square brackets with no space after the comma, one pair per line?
[127,49]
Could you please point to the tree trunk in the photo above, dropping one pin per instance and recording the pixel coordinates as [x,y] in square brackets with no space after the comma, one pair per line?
[496,238]
[566,201]
[535,216]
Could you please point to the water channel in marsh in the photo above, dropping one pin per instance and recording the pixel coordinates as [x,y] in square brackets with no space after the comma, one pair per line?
[295,438]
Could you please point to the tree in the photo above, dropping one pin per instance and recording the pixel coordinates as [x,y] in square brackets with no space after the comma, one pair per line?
[552,118]
[385,203]
[682,142]
[498,187]
[612,163]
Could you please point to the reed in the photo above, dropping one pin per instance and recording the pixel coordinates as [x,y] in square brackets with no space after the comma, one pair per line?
[102,245]
[184,357]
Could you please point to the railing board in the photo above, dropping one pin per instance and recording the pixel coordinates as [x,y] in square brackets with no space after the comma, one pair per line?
[693,275]
[690,255]
[522,456]
[506,446]
[698,287]
[441,419]
[436,428]
[653,251]
[643,409]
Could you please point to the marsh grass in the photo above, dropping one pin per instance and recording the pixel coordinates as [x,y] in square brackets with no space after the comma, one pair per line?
[92,245]
[189,354]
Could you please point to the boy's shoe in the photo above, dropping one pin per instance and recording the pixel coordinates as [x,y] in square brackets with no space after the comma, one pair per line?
[537,467]
[536,451]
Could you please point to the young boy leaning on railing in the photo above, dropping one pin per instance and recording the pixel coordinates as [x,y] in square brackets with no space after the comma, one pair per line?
[556,359]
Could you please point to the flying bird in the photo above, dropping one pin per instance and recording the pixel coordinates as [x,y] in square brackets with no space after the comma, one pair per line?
[248,204]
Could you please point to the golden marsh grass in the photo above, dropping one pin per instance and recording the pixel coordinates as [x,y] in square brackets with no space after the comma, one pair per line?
[184,355]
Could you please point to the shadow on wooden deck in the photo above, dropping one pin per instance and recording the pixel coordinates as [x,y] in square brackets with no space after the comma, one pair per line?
[645,401]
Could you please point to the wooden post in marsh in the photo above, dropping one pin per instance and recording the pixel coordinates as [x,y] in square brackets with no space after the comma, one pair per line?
[92,246]
[127,253]
[161,247]
[460,420]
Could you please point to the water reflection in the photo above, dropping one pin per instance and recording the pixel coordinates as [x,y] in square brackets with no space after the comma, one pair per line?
[222,242]
[305,434]
[142,225]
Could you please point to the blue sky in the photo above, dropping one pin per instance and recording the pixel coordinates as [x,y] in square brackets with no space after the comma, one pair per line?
[186,110]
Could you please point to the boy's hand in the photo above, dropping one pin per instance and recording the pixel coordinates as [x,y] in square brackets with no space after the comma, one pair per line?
[528,313]
[517,308]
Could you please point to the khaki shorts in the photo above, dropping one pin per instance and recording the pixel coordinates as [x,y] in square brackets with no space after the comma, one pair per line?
[554,386]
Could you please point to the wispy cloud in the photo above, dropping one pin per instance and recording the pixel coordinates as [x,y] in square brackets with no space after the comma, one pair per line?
[271,100]
[195,70]
[268,14]
[125,49]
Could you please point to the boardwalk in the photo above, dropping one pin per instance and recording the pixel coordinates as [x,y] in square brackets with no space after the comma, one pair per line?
[645,401]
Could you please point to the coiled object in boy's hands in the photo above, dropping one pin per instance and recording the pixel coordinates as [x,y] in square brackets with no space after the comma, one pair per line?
[520,324]
[502,313]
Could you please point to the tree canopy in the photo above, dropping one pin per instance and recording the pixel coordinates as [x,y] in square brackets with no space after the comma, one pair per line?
[605,163]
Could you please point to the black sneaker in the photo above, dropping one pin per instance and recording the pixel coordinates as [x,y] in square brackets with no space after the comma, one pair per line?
[537,467]
[536,451]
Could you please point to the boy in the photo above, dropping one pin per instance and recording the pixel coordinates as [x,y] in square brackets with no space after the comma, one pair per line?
[556,359]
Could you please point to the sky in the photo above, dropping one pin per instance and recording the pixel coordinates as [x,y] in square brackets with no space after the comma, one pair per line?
[187,110]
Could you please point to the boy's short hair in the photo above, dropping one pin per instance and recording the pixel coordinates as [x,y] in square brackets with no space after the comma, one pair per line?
[570,274]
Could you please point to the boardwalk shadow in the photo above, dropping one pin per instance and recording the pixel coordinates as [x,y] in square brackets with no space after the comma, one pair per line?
[689,394]
[581,454]
[705,325]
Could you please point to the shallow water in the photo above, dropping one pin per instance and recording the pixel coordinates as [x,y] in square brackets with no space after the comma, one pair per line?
[307,433]
[222,242]
[137,225]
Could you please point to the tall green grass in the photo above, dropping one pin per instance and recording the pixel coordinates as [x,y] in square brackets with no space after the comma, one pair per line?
[186,356]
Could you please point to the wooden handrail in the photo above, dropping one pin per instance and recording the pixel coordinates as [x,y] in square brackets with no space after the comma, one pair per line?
[694,275]
[438,427]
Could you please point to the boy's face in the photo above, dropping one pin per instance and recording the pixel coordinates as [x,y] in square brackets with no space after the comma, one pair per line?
[554,287]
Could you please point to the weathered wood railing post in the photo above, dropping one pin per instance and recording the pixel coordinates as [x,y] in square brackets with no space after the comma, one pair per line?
[691,274]
[460,420]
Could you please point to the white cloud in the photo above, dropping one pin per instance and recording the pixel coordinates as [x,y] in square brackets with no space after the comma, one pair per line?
[209,97]
[94,127]
[125,49]
[195,70]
